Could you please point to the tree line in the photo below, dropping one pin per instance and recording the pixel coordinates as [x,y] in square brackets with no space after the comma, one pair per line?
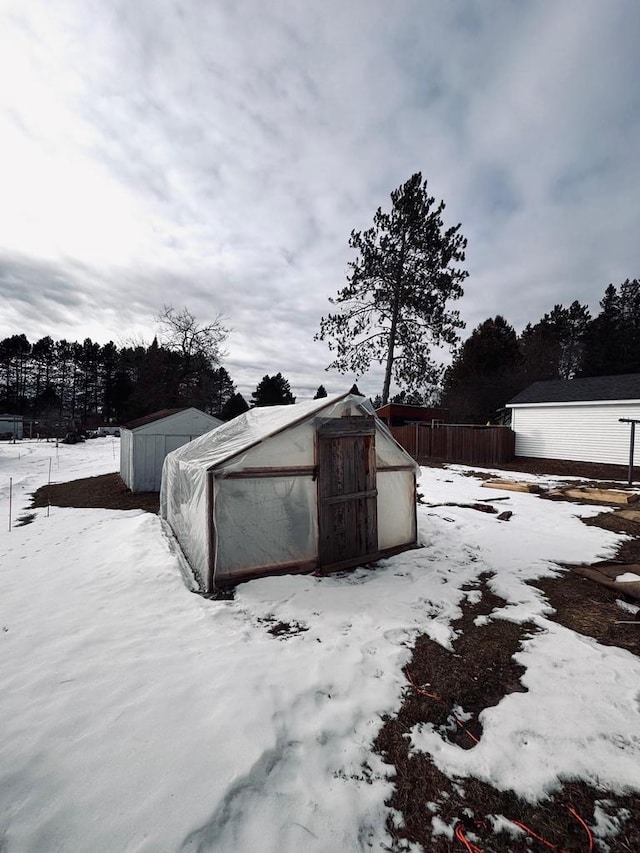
[397,306]
[494,363]
[61,383]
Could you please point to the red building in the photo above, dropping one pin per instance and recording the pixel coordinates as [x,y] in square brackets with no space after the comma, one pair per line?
[397,414]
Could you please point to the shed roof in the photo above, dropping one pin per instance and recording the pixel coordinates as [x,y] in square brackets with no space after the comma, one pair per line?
[252,427]
[592,389]
[155,416]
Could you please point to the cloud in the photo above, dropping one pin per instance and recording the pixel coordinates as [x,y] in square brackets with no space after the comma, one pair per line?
[217,155]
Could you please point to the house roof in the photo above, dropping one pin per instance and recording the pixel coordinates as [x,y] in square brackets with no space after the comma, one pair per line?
[590,390]
[407,410]
[163,413]
[254,426]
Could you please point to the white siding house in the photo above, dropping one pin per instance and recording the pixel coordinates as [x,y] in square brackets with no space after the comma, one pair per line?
[320,485]
[145,442]
[577,419]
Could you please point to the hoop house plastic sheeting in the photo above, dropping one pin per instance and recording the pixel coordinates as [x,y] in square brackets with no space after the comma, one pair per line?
[185,506]
[396,493]
[280,514]
[255,497]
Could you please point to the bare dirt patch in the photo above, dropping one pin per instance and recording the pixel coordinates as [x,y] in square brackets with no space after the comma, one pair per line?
[596,474]
[105,492]
[283,630]
[444,686]
[588,608]
[629,550]
[567,468]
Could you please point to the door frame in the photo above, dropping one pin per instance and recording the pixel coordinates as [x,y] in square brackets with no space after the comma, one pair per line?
[335,428]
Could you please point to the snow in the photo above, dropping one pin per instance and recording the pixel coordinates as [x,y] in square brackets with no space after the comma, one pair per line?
[139,717]
[628,577]
[590,728]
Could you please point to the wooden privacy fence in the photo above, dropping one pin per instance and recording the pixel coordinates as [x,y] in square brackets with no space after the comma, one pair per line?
[464,443]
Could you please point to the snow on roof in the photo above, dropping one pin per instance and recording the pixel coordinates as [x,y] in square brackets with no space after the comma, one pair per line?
[254,426]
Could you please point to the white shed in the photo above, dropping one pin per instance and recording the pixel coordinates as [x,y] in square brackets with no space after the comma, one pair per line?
[145,442]
[318,485]
[11,426]
[577,419]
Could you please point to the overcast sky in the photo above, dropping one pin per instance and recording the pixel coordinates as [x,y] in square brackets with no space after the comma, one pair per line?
[216,155]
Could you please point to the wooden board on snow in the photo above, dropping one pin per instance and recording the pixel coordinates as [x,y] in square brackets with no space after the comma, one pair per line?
[608,496]
[512,486]
[606,574]
[629,514]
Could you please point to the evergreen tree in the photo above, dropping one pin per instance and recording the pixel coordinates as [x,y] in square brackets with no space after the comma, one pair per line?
[273,391]
[121,392]
[221,390]
[630,323]
[612,340]
[62,373]
[15,354]
[395,305]
[577,321]
[554,347]
[43,357]
[409,398]
[321,392]
[108,363]
[154,374]
[484,373]
[235,405]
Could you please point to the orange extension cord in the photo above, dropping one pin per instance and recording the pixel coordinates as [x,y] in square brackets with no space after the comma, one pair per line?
[459,830]
[462,838]
[473,848]
[440,701]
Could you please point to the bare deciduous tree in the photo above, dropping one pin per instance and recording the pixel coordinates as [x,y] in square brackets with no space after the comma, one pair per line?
[181,332]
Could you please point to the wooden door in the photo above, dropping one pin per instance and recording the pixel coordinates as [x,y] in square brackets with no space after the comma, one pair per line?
[347,495]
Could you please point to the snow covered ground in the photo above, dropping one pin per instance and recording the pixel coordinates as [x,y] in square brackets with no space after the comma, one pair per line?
[137,716]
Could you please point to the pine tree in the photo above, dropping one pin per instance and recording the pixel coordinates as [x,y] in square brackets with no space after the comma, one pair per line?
[235,405]
[612,340]
[553,348]
[395,305]
[409,398]
[273,391]
[484,373]
[320,393]
[221,390]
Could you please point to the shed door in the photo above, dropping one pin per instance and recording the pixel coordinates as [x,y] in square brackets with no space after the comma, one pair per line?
[347,495]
